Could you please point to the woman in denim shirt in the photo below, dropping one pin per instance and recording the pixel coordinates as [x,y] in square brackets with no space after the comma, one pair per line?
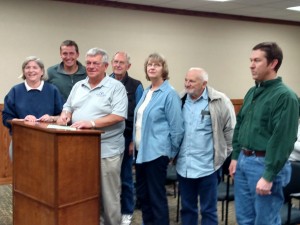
[158,132]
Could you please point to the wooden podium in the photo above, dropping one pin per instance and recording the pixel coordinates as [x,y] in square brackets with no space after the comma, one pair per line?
[56,175]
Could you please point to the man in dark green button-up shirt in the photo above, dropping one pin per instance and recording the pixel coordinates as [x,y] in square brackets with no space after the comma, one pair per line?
[264,137]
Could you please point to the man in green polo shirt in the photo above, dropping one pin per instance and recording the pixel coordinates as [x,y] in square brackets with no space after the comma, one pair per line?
[263,139]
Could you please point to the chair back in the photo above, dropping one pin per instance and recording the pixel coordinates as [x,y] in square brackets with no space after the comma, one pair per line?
[288,213]
[294,184]
[225,167]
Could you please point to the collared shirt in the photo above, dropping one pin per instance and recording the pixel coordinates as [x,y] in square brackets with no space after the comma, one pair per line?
[28,88]
[108,97]
[268,121]
[162,124]
[135,91]
[197,146]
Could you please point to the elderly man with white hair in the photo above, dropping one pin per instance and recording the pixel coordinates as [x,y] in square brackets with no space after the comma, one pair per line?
[209,120]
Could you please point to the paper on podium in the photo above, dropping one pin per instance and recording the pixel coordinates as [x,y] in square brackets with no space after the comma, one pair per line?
[60,127]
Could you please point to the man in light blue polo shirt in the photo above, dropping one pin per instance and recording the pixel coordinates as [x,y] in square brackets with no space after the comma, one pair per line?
[101,102]
[209,121]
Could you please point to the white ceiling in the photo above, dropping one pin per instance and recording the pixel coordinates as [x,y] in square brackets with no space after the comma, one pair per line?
[270,9]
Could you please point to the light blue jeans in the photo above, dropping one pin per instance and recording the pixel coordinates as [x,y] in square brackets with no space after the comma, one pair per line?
[251,208]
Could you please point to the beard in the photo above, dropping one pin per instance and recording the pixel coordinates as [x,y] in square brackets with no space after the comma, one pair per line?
[190,91]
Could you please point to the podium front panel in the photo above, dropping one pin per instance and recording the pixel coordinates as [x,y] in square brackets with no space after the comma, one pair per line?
[34,164]
[77,179]
[56,176]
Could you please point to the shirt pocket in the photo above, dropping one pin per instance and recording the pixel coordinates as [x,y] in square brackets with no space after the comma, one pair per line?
[204,123]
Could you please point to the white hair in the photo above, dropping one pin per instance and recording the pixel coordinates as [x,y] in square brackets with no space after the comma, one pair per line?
[203,75]
[98,51]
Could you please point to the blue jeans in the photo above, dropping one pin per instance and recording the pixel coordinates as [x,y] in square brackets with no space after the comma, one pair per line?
[151,191]
[206,188]
[251,208]
[127,192]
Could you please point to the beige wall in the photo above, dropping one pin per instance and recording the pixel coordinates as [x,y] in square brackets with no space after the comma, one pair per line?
[222,47]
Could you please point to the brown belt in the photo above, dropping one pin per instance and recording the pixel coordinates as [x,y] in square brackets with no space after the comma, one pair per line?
[248,152]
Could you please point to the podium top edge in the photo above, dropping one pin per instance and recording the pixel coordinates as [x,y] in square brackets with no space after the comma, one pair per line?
[43,127]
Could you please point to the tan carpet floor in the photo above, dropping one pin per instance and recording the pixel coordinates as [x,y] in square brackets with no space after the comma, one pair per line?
[173,209]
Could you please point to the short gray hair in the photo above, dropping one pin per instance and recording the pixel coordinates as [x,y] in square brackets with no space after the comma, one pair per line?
[123,53]
[38,62]
[98,51]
